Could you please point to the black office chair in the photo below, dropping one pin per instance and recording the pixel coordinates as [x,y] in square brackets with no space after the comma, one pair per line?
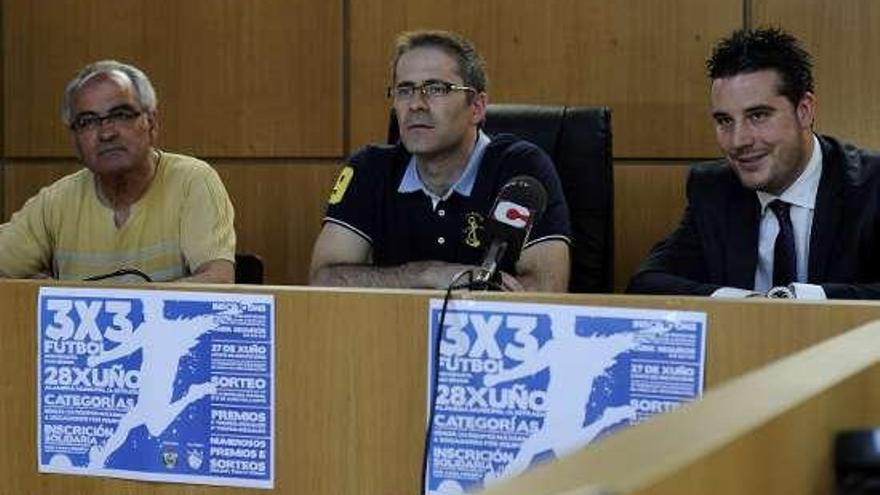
[578,139]
[248,269]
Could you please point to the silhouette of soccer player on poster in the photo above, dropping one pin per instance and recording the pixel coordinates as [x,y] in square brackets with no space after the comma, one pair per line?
[163,342]
[574,363]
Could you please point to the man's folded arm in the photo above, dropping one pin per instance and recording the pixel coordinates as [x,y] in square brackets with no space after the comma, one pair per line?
[342,258]
[660,283]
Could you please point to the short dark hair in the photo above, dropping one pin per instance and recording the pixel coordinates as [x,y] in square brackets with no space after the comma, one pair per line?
[753,50]
[471,67]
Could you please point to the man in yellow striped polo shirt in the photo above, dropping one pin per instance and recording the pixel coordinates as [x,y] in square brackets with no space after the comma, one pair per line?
[133,209]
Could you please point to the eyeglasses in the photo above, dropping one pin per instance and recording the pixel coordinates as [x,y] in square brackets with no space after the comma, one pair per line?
[91,121]
[428,89]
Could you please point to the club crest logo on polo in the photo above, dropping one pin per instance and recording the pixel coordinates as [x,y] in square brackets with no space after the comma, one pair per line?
[473,224]
[341,185]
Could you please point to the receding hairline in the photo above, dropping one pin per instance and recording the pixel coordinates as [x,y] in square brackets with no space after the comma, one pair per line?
[142,88]
[116,75]
[469,64]
[456,64]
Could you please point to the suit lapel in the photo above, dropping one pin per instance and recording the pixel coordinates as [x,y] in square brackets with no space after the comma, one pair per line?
[826,217]
[742,237]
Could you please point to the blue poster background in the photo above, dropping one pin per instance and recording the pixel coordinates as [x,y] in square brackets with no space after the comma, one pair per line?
[518,384]
[157,385]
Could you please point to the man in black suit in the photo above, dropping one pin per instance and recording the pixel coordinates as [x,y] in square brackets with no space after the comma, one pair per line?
[787,213]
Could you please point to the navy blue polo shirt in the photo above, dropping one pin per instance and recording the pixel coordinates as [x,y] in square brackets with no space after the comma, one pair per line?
[407,226]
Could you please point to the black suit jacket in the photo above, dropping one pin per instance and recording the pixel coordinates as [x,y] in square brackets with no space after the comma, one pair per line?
[716,244]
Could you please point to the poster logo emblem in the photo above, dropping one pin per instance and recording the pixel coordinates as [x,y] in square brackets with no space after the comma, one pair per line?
[169,457]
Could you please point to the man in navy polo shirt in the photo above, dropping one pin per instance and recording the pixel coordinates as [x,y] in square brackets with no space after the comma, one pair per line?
[412,215]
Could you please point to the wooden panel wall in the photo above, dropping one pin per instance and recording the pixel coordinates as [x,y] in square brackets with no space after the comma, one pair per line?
[642,58]
[3,98]
[233,78]
[276,93]
[649,199]
[282,232]
[843,39]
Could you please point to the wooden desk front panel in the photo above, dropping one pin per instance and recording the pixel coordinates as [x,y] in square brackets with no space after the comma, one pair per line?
[351,381]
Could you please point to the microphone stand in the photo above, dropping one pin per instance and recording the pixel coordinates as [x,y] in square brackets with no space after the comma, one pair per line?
[488,271]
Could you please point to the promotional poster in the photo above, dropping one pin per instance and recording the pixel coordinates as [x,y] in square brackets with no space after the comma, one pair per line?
[516,384]
[157,385]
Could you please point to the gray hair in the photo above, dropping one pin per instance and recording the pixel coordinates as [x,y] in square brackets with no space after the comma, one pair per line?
[146,95]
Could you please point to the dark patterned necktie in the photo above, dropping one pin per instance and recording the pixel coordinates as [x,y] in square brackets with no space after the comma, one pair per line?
[784,258]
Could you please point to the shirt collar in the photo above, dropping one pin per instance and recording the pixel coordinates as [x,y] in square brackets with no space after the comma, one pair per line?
[803,192]
[411,181]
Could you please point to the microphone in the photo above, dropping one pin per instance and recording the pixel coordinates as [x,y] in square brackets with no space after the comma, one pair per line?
[519,204]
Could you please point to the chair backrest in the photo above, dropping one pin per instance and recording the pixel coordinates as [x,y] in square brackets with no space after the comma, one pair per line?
[578,139]
[248,269]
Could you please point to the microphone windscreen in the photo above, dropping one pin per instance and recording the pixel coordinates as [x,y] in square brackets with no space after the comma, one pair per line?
[527,191]
[519,204]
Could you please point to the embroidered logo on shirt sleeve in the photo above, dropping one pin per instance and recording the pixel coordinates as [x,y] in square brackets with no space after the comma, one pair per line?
[341,185]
